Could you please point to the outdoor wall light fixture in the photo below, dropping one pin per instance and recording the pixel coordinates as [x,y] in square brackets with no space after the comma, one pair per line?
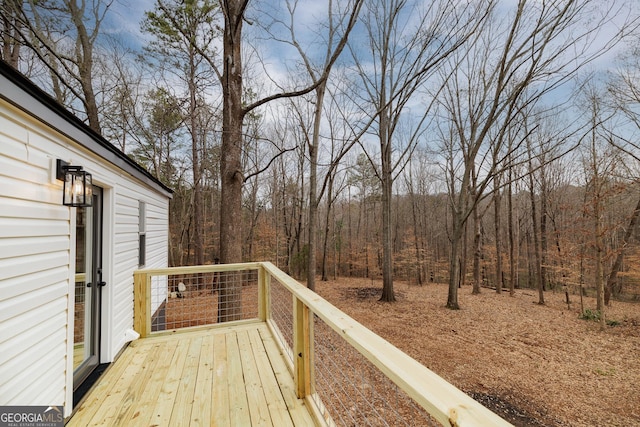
[77,189]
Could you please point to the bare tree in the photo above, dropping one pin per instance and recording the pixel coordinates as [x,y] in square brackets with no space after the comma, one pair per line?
[233,114]
[600,164]
[625,88]
[342,17]
[519,56]
[406,44]
[124,93]
[10,30]
[336,174]
[537,262]
[178,29]
[63,36]
[513,250]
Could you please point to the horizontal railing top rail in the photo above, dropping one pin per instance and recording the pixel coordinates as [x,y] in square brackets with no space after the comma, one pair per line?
[445,402]
[442,400]
[167,299]
[213,268]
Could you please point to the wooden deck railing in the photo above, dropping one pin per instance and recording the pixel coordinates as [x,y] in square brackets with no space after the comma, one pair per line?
[327,349]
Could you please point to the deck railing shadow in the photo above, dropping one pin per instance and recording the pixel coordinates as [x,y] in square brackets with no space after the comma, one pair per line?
[347,374]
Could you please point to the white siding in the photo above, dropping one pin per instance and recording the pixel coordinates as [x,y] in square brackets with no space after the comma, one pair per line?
[37,246]
[34,274]
[126,251]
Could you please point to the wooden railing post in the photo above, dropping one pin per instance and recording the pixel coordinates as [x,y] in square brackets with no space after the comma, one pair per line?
[142,303]
[264,294]
[302,348]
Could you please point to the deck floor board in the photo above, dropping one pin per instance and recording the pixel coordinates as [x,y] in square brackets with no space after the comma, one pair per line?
[220,411]
[149,391]
[218,376]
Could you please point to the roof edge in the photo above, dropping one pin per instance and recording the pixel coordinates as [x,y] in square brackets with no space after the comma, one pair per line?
[22,93]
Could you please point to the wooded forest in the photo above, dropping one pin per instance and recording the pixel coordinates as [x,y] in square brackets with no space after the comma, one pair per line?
[488,143]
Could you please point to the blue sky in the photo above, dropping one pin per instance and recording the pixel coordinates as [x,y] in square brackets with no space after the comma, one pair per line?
[123,21]
[125,17]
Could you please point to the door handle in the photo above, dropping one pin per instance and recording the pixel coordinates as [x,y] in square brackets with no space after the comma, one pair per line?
[101,284]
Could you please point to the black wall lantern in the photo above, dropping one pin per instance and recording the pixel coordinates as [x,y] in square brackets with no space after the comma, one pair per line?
[77,189]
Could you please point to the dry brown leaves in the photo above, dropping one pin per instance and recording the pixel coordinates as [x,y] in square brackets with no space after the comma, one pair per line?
[535,365]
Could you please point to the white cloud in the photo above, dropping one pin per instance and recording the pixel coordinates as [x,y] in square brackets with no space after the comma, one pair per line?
[124,21]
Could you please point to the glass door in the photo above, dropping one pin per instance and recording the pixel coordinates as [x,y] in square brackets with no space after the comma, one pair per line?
[88,286]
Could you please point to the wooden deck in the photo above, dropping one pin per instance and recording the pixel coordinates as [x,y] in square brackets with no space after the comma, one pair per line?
[210,377]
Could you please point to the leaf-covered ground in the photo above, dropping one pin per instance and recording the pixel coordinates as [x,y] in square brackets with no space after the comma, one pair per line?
[534,365]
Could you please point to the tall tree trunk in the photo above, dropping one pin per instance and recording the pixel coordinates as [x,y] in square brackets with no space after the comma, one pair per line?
[512,242]
[537,267]
[313,182]
[388,294]
[325,244]
[254,215]
[11,26]
[599,283]
[497,213]
[534,223]
[303,261]
[198,220]
[531,269]
[464,255]
[84,54]
[276,209]
[477,250]
[417,236]
[597,230]
[337,244]
[350,234]
[229,304]
[477,232]
[544,217]
[286,221]
[387,240]
[454,261]
[615,268]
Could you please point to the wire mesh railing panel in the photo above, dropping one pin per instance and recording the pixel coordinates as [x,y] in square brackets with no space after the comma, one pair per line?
[282,314]
[195,299]
[347,382]
[354,391]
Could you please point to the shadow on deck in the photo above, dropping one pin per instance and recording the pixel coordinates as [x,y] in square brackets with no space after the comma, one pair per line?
[222,376]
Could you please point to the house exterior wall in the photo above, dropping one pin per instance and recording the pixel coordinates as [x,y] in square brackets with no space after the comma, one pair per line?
[37,257]
[125,259]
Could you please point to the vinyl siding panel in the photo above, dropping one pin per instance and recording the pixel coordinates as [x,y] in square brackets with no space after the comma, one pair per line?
[34,271]
[126,243]
[19,246]
[18,354]
[16,227]
[45,293]
[20,328]
[40,363]
[28,283]
[48,390]
[26,190]
[12,131]
[35,172]
[28,209]
[125,252]
[26,265]
[37,242]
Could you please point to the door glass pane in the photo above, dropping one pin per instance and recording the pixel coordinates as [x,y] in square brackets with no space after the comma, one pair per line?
[82,328]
